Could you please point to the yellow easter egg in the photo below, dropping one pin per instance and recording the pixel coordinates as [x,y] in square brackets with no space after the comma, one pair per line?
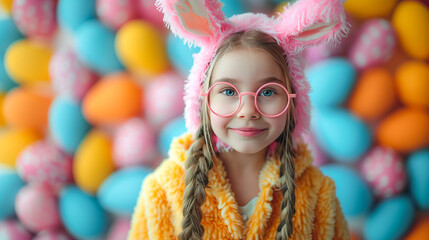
[412,79]
[112,100]
[141,48]
[93,161]
[365,9]
[27,61]
[2,121]
[6,5]
[411,22]
[12,142]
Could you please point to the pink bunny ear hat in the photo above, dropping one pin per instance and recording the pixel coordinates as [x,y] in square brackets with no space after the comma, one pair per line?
[304,24]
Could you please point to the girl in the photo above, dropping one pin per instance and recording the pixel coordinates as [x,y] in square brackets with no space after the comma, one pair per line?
[243,172]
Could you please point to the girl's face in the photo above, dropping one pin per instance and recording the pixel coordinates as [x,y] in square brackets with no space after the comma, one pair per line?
[247,131]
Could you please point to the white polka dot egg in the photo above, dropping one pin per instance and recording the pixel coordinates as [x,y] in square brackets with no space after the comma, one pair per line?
[384,170]
[115,13]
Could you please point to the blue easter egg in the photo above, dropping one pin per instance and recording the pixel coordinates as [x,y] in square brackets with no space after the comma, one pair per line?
[118,194]
[417,170]
[340,134]
[232,7]
[390,219]
[10,184]
[9,33]
[173,129]
[95,46]
[6,83]
[331,81]
[353,193]
[67,123]
[73,13]
[81,213]
[180,54]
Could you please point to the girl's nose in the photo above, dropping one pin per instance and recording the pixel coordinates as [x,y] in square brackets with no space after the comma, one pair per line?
[248,110]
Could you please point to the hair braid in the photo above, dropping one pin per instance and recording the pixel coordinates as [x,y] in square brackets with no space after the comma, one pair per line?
[197,165]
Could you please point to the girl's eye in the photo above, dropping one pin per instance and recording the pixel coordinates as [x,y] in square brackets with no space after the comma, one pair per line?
[267,93]
[228,92]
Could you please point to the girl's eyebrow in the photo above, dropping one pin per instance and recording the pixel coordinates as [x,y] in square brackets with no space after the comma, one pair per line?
[261,82]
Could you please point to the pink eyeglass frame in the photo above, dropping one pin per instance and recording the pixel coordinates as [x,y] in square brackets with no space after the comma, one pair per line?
[254,94]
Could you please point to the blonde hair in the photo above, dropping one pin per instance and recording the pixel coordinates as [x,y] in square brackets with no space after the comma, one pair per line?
[200,154]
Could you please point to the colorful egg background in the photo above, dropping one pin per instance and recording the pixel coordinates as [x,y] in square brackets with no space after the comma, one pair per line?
[96,86]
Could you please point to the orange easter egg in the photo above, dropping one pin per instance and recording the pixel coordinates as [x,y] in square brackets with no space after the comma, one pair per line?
[412,79]
[13,142]
[2,121]
[405,130]
[28,107]
[373,95]
[114,99]
[420,230]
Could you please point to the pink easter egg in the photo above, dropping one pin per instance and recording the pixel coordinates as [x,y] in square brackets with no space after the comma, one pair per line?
[164,99]
[147,10]
[384,171]
[319,157]
[43,163]
[374,44]
[134,143]
[69,76]
[37,208]
[35,18]
[11,229]
[119,230]
[52,235]
[115,13]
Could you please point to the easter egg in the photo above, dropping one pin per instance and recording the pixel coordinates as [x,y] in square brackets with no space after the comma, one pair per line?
[6,83]
[10,184]
[120,229]
[93,161]
[35,18]
[2,121]
[73,13]
[365,9]
[419,231]
[69,76]
[42,163]
[384,171]
[12,142]
[411,19]
[9,33]
[52,235]
[141,48]
[6,5]
[95,46]
[180,54]
[146,9]
[390,219]
[417,166]
[119,192]
[115,13]
[134,143]
[81,214]
[37,208]
[27,61]
[353,193]
[412,79]
[67,124]
[12,229]
[374,45]
[331,80]
[405,130]
[340,134]
[374,94]
[232,7]
[28,107]
[173,129]
[113,100]
[164,99]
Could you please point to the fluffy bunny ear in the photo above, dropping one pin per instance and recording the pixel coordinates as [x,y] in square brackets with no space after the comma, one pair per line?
[195,21]
[312,22]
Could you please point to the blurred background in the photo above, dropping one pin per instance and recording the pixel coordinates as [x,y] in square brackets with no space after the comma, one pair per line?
[91,97]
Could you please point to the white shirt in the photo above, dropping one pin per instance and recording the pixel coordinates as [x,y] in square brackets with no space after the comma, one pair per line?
[247,210]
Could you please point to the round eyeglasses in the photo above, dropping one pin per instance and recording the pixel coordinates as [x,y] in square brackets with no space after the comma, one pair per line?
[271,99]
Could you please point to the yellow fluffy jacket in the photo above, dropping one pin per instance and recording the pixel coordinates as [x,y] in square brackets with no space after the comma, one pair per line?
[158,214]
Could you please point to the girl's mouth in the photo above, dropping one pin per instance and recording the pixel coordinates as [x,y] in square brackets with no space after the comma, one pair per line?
[247,132]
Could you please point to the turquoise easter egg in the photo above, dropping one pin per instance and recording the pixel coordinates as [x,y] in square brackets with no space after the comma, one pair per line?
[232,7]
[95,46]
[118,194]
[340,134]
[6,82]
[331,81]
[390,219]
[82,214]
[180,54]
[10,184]
[73,13]
[67,124]
[417,170]
[353,193]
[173,129]
[9,33]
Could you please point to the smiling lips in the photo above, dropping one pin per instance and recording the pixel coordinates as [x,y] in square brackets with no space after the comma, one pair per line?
[247,132]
